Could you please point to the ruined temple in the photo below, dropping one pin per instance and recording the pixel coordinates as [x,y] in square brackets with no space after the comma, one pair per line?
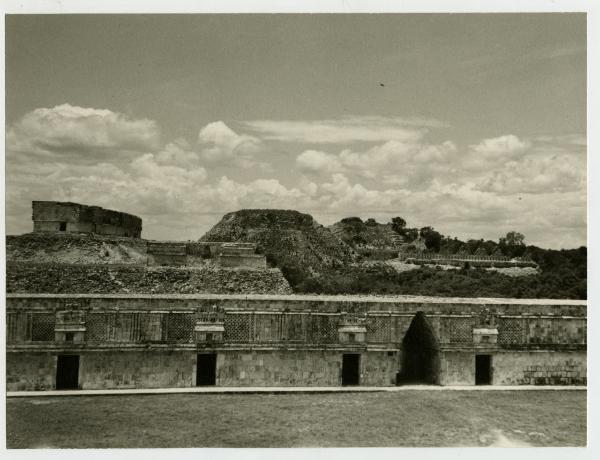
[58,216]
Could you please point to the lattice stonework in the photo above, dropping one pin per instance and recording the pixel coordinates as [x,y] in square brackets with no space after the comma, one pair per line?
[237,327]
[42,327]
[459,330]
[324,329]
[99,327]
[181,327]
[511,331]
[379,329]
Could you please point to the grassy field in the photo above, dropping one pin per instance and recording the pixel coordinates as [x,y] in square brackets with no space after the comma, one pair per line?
[407,418]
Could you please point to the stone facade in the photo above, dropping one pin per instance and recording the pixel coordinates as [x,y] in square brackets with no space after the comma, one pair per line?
[227,255]
[142,341]
[56,216]
[166,253]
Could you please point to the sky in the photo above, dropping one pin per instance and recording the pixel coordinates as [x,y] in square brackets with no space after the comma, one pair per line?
[474,124]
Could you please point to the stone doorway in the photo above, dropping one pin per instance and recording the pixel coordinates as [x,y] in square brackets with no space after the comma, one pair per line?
[350,369]
[483,369]
[206,369]
[420,362]
[67,372]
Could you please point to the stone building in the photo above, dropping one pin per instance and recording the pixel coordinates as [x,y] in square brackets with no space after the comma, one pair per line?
[225,254]
[95,341]
[57,216]
[168,253]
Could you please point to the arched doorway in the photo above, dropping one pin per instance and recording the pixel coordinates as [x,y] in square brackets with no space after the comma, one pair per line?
[420,362]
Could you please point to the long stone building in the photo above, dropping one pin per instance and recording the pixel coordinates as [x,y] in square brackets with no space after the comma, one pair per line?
[58,216]
[95,341]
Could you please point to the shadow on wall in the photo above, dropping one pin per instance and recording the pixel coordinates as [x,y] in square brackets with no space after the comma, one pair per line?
[420,354]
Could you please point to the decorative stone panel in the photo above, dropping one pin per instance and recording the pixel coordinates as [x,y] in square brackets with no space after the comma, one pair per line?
[70,326]
[485,336]
[352,328]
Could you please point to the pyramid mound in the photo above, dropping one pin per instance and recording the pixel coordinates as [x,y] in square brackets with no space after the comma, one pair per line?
[291,240]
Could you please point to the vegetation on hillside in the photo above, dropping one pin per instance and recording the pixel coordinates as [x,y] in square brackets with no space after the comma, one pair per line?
[562,275]
[314,260]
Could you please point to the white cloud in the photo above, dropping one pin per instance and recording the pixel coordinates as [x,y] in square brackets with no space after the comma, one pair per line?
[343,130]
[397,162]
[179,153]
[318,162]
[71,131]
[558,173]
[220,144]
[501,146]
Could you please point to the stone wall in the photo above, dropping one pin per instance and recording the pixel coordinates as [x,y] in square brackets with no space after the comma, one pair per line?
[459,260]
[539,368]
[55,216]
[177,369]
[291,340]
[166,253]
[518,367]
[31,370]
[246,261]
[457,368]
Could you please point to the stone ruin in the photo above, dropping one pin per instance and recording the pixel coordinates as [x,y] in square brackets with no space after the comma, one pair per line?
[67,217]
[57,216]
[225,254]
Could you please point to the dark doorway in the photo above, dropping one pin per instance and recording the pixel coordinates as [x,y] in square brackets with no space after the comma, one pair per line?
[206,369]
[350,369]
[67,372]
[420,354]
[483,370]
[62,226]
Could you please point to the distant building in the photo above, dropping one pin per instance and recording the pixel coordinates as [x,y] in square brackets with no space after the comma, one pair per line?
[57,216]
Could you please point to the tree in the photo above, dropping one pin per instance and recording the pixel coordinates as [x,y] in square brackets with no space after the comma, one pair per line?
[410,234]
[432,238]
[398,225]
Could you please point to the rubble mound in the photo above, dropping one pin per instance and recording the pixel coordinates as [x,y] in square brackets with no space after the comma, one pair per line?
[290,240]
[75,248]
[370,239]
[122,279]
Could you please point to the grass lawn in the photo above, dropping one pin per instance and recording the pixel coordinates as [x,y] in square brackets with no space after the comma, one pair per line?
[406,418]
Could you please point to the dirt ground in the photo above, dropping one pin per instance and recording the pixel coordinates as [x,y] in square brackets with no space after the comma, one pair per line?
[409,418]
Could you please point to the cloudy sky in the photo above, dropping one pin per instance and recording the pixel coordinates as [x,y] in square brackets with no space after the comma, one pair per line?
[474,124]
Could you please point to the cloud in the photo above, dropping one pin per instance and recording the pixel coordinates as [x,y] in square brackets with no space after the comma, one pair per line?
[398,162]
[558,173]
[315,161]
[182,188]
[71,131]
[220,144]
[503,145]
[344,130]
[179,153]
